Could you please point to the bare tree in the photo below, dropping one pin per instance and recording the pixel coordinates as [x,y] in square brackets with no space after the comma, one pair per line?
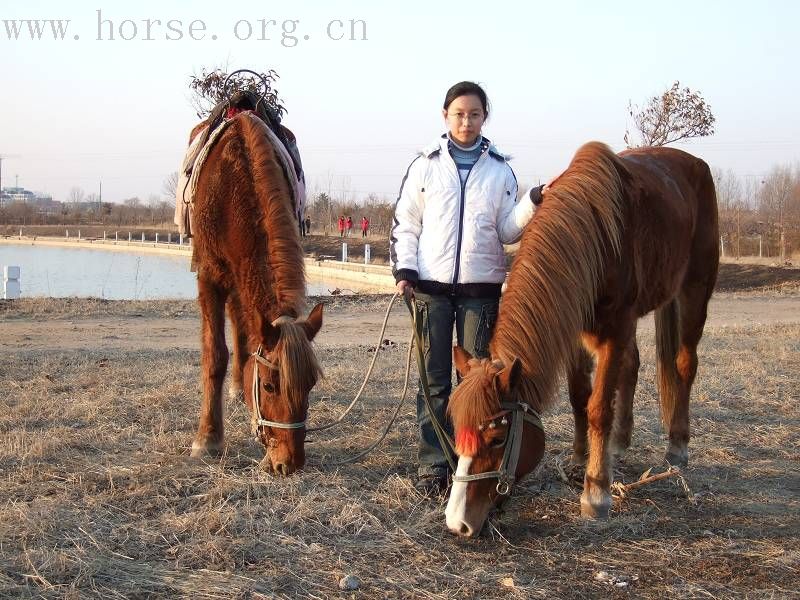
[677,114]
[76,194]
[729,189]
[729,206]
[776,205]
[170,185]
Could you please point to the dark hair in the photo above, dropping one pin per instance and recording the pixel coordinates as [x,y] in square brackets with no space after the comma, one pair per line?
[467,88]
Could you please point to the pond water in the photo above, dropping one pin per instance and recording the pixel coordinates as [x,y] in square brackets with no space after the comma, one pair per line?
[60,272]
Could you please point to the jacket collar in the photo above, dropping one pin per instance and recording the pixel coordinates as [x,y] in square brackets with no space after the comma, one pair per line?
[440,145]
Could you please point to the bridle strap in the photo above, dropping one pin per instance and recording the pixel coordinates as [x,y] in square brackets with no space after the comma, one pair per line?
[258,421]
[264,361]
[506,473]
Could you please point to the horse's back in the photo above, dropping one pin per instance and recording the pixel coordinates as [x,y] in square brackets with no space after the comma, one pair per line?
[672,229]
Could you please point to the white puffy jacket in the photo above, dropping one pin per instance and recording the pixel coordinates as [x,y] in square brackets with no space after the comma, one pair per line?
[450,234]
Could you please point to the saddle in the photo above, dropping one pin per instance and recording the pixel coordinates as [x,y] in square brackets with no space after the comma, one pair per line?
[247,100]
[240,101]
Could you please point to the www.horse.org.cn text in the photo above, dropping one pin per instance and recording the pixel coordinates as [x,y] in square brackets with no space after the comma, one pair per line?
[109,28]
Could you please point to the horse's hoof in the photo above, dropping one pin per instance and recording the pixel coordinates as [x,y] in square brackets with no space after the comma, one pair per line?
[677,460]
[596,507]
[577,459]
[617,450]
[205,449]
[676,456]
[620,443]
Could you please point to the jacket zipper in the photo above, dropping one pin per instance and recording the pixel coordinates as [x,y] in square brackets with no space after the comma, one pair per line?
[459,235]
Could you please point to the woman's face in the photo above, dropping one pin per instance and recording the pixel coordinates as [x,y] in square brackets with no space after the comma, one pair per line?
[464,118]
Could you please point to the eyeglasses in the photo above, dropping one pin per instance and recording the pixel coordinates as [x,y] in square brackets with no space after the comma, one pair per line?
[462,117]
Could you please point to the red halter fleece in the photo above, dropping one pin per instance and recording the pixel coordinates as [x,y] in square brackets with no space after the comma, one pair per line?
[467,442]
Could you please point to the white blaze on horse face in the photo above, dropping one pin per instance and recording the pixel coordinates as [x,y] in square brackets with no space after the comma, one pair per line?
[456,511]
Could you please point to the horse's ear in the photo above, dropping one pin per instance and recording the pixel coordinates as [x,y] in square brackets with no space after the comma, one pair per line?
[270,334]
[313,323]
[508,378]
[460,358]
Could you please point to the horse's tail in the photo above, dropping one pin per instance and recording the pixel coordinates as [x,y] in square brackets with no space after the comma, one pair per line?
[667,341]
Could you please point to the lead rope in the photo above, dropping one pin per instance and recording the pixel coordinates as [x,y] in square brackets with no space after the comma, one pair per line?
[366,377]
[416,339]
[389,425]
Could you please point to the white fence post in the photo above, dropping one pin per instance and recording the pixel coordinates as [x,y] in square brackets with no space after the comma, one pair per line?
[156,238]
[104,236]
[116,236]
[169,238]
[143,237]
[67,234]
[11,283]
[367,254]
[79,234]
[344,251]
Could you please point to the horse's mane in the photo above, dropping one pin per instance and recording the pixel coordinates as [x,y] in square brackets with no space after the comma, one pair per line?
[553,285]
[297,362]
[554,280]
[277,220]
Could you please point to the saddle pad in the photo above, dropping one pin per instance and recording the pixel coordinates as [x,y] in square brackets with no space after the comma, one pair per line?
[195,157]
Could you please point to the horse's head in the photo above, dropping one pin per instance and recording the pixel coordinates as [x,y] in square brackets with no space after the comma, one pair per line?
[277,380]
[499,439]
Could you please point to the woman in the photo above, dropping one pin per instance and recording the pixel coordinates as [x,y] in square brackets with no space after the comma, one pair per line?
[457,207]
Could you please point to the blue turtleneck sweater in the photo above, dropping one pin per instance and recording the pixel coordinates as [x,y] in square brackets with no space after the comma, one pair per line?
[464,158]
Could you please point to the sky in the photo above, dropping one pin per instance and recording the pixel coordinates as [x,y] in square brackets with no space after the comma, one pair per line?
[77,112]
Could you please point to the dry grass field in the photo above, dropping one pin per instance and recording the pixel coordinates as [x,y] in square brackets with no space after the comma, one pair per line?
[99,499]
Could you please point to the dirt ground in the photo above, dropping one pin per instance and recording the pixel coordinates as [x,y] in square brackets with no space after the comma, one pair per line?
[100,499]
[148,327]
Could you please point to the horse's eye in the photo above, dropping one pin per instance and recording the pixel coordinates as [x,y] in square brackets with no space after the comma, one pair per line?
[269,387]
[498,442]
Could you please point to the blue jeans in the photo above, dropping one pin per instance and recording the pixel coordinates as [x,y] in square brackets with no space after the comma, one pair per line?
[474,320]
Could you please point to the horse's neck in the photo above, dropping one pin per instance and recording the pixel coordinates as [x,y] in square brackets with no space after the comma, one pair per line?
[543,343]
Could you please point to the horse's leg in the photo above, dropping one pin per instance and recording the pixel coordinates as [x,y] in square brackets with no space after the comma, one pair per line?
[610,352]
[579,382]
[693,303]
[240,355]
[210,430]
[623,401]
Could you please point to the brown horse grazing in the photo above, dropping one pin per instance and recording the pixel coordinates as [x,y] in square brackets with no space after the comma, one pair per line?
[248,256]
[616,238]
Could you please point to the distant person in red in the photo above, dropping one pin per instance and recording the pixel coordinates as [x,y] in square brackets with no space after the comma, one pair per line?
[349,225]
[341,225]
[364,226]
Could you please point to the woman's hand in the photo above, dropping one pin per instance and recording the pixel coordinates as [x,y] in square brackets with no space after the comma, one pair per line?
[405,287]
[549,183]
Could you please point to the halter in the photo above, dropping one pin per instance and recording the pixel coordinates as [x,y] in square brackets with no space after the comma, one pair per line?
[505,474]
[260,422]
